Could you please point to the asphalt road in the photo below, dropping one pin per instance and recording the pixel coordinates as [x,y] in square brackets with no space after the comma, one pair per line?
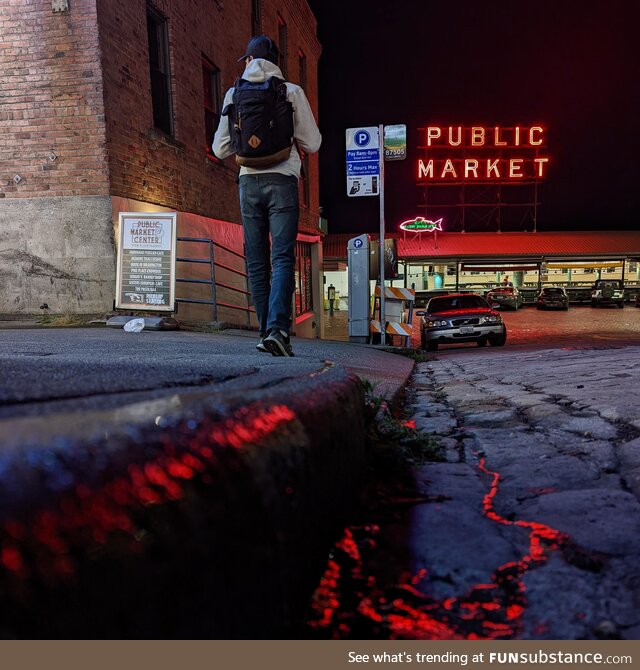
[579,326]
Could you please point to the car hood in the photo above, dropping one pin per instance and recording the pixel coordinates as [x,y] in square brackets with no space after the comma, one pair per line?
[452,313]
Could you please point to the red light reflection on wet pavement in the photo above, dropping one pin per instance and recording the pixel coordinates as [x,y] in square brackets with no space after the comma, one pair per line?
[348,602]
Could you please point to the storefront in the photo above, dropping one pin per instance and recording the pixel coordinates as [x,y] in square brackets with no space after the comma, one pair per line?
[434,260]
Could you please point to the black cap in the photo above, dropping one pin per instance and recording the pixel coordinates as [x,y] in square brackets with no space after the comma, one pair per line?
[261,47]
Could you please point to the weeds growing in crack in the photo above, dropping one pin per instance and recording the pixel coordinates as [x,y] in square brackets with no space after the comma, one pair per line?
[418,447]
[374,402]
[396,431]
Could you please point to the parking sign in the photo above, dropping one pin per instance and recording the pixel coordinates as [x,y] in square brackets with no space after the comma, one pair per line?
[363,161]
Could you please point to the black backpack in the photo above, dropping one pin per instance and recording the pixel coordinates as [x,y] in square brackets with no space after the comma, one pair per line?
[260,122]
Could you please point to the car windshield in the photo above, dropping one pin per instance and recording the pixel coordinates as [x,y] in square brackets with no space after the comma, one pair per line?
[554,291]
[455,302]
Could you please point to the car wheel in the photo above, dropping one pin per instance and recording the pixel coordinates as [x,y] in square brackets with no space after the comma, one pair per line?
[432,346]
[423,340]
[565,308]
[482,342]
[621,305]
[499,340]
[594,303]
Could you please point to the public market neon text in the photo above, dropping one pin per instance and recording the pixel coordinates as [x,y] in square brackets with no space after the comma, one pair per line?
[507,166]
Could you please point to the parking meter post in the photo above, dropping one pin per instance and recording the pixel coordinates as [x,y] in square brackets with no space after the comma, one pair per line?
[358,250]
[382,250]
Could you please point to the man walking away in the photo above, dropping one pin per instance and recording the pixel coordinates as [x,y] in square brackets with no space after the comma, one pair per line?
[264,120]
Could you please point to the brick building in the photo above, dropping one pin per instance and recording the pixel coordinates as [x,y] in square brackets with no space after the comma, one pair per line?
[109,106]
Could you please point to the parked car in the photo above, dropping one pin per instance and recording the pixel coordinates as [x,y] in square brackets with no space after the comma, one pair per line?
[478,289]
[460,317]
[638,299]
[607,292]
[505,296]
[552,297]
[422,297]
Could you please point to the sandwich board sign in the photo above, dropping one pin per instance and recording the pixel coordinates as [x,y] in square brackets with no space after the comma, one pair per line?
[146,275]
[363,161]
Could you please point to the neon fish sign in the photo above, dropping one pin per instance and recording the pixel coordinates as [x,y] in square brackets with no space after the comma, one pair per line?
[421,225]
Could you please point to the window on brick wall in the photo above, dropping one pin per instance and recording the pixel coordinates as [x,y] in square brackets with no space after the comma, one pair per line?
[212,102]
[302,70]
[159,70]
[256,17]
[303,277]
[282,46]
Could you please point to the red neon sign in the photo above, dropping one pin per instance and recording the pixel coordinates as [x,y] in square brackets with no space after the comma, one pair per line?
[516,154]
[421,225]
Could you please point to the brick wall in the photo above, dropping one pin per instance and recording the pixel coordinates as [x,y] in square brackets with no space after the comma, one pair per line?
[173,171]
[76,124]
[301,36]
[51,100]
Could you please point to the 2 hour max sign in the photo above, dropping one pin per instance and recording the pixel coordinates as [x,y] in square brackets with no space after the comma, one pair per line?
[363,161]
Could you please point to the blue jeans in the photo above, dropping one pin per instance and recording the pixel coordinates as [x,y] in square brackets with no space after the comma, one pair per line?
[269,205]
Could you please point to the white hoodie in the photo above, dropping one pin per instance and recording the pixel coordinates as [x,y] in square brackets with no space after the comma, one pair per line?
[305,130]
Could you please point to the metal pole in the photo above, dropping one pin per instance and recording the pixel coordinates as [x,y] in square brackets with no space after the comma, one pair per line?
[214,299]
[535,208]
[381,248]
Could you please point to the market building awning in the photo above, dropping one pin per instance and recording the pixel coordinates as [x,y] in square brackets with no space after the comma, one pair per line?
[560,246]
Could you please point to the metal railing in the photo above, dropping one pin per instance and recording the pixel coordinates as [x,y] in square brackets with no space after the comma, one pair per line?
[212,282]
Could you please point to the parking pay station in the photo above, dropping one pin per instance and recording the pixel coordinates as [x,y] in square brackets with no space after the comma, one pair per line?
[363,254]
[358,255]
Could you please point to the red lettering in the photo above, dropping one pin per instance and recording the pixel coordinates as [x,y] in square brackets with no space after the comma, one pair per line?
[477,137]
[433,133]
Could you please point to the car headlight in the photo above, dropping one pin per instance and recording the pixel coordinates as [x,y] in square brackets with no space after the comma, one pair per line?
[490,319]
[436,324]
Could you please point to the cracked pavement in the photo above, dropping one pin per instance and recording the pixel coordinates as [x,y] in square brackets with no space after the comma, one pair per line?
[559,432]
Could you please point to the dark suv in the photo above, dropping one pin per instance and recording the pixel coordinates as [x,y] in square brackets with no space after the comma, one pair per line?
[607,292]
[552,296]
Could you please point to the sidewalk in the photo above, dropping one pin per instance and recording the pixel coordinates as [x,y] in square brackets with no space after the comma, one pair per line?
[173,484]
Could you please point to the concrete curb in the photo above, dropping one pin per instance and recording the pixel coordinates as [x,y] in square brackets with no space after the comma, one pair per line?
[208,523]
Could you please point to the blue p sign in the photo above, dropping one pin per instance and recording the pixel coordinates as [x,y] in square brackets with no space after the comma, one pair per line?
[362,138]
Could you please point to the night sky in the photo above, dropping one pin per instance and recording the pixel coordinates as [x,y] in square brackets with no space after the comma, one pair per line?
[572,66]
